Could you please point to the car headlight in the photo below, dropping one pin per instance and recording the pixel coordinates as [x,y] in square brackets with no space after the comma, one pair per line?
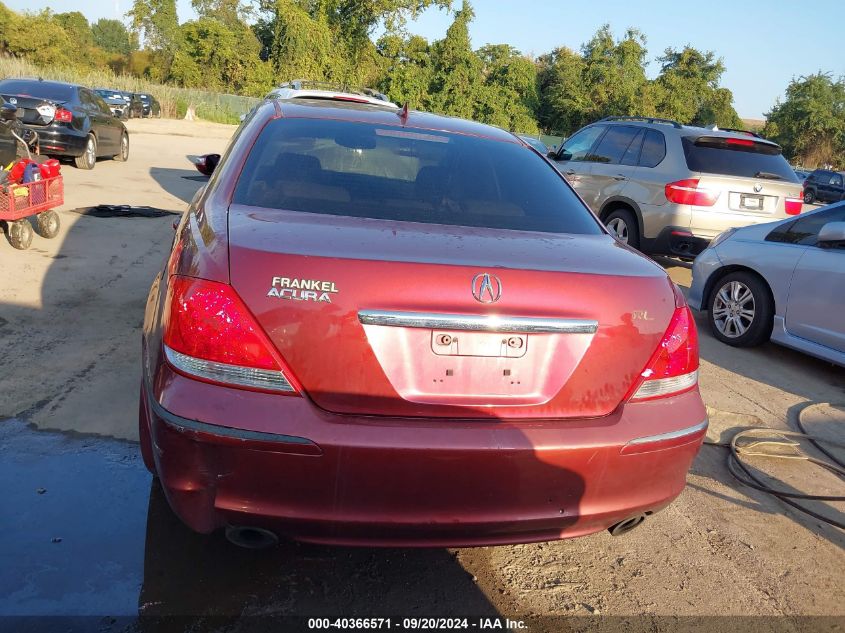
[721,237]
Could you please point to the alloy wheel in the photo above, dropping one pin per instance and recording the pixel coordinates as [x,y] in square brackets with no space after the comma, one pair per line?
[733,309]
[619,229]
[90,152]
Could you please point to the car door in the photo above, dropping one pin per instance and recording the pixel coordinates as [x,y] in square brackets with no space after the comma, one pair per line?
[608,176]
[102,122]
[816,302]
[8,144]
[572,159]
[836,188]
[647,185]
[823,186]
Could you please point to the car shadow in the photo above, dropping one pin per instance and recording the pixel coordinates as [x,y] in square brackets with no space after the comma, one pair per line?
[180,183]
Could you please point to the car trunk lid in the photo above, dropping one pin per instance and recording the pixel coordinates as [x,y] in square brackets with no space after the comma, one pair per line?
[379,317]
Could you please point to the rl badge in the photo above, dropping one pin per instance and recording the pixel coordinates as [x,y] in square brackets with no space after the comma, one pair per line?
[302,289]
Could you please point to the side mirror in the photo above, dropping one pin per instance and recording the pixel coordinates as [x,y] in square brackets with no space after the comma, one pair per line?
[8,112]
[832,233]
[207,164]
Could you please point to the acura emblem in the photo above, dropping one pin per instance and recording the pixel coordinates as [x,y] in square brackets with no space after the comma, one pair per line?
[758,188]
[486,288]
[13,101]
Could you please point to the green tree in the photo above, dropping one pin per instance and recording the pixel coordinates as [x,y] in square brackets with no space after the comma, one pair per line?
[689,88]
[456,75]
[157,22]
[216,56]
[77,28]
[614,73]
[406,76]
[112,36]
[508,97]
[564,105]
[810,122]
[39,38]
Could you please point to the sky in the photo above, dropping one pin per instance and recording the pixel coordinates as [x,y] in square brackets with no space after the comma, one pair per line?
[764,43]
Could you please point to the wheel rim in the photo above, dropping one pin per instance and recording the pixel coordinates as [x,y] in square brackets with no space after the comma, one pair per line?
[124,146]
[808,198]
[90,152]
[733,309]
[619,229]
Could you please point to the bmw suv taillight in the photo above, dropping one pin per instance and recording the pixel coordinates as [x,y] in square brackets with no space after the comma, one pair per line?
[210,334]
[673,368]
[688,191]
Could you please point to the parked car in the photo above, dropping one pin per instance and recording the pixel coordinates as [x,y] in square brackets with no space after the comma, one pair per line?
[135,107]
[824,185]
[151,106]
[667,188]
[71,121]
[381,326]
[307,89]
[783,281]
[116,102]
[536,143]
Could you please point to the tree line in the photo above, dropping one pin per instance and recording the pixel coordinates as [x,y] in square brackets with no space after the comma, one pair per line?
[247,47]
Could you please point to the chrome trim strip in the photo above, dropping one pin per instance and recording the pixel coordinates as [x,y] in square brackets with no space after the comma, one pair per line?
[671,435]
[478,323]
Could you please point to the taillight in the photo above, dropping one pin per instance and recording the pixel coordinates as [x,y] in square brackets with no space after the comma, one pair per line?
[688,192]
[210,334]
[63,116]
[673,368]
[794,206]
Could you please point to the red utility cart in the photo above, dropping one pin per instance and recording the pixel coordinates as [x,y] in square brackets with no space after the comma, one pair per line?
[37,198]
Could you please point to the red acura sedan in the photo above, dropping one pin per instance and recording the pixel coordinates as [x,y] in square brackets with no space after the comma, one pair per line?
[384,327]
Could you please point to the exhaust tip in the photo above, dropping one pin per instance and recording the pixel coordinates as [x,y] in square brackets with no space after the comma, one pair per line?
[627,525]
[251,537]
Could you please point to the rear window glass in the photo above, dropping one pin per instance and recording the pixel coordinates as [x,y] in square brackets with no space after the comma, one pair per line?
[654,149]
[392,173]
[37,89]
[714,156]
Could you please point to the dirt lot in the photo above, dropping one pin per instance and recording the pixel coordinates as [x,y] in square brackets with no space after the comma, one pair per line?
[70,317]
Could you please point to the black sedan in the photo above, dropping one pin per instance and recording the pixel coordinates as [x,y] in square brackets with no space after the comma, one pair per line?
[71,121]
[152,108]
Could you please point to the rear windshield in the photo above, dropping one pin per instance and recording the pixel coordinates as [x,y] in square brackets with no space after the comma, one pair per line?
[393,173]
[718,155]
[37,89]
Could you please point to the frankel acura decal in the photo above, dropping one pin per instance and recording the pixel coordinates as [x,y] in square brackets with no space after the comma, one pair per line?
[302,289]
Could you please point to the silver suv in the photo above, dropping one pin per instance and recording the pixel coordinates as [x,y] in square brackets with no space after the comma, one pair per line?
[668,188]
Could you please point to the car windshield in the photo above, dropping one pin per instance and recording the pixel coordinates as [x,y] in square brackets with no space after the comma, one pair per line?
[737,157]
[365,170]
[37,89]
[144,97]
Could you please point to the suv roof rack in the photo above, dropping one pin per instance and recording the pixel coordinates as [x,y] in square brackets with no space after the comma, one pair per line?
[716,128]
[646,119]
[309,84]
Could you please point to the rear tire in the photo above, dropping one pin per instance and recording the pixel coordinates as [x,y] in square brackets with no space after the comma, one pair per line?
[623,225]
[741,310]
[47,224]
[123,156]
[88,158]
[20,234]
[809,196]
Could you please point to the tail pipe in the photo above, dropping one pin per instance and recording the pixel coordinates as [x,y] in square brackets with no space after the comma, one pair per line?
[251,537]
[627,525]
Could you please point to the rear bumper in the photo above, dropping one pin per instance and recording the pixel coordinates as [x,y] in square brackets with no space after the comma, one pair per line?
[233,457]
[677,242]
[60,142]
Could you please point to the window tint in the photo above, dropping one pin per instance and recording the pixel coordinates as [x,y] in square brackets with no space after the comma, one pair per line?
[632,154]
[836,180]
[716,155]
[805,230]
[580,143]
[384,172]
[612,146]
[654,149]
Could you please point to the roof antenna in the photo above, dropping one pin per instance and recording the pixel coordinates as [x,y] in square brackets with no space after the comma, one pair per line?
[403,113]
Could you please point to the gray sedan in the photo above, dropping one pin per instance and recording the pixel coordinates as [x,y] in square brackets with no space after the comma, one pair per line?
[783,281]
